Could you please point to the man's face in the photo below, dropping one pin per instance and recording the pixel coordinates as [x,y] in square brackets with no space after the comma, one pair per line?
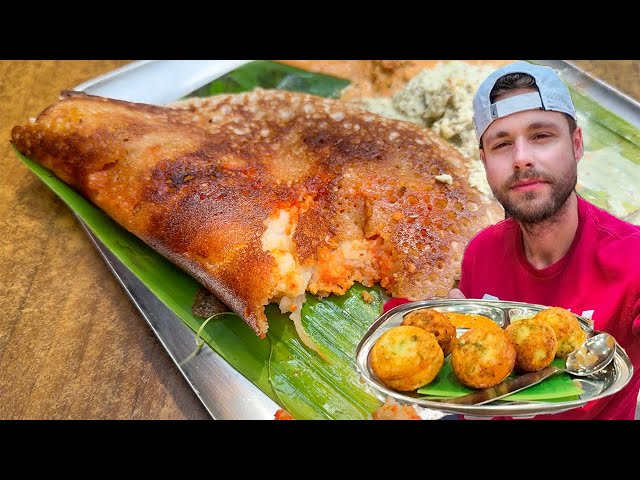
[531,162]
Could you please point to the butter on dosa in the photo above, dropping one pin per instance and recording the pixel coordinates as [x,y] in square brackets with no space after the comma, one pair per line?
[264,195]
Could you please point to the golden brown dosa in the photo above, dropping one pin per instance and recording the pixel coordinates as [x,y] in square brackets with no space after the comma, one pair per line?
[263,195]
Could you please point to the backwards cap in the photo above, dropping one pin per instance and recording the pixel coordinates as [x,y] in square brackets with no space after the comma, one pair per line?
[552,95]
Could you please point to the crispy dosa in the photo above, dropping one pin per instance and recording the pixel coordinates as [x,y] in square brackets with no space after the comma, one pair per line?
[264,195]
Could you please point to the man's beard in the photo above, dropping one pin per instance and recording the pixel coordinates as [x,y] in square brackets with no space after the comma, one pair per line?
[525,209]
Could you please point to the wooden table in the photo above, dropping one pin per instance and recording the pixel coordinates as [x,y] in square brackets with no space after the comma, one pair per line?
[72,345]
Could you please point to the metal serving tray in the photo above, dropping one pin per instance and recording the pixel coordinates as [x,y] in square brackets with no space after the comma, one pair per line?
[607,382]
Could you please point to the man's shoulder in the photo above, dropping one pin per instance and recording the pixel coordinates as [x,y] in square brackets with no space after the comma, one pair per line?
[611,226]
[618,240]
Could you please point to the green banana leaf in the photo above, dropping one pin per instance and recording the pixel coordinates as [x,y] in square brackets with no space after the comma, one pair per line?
[609,172]
[299,380]
[266,74]
[559,387]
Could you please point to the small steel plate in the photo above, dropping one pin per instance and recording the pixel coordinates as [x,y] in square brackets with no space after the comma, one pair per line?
[607,382]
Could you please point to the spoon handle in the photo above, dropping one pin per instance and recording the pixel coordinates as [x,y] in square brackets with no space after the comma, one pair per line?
[506,387]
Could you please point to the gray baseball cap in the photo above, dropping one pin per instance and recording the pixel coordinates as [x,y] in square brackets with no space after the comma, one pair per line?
[552,94]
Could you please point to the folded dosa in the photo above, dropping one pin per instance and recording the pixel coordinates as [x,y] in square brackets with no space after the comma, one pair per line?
[264,195]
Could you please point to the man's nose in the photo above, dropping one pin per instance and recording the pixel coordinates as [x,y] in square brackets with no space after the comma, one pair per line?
[522,154]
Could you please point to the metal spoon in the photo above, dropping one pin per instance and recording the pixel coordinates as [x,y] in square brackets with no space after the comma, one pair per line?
[591,357]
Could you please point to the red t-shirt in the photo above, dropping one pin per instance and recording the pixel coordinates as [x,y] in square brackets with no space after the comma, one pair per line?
[599,277]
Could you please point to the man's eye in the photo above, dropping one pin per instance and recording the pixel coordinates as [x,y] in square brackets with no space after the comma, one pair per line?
[541,135]
[500,145]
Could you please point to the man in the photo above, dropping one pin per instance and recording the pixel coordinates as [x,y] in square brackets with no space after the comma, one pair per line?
[554,248]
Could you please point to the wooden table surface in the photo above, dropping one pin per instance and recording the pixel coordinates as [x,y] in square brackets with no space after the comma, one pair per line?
[72,344]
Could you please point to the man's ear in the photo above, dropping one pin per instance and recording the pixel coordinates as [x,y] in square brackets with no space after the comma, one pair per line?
[482,157]
[578,145]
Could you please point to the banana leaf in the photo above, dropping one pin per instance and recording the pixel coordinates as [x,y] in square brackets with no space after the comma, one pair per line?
[299,380]
[559,387]
[265,74]
[609,172]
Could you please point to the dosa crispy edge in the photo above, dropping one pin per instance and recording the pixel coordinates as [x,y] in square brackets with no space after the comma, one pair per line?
[264,195]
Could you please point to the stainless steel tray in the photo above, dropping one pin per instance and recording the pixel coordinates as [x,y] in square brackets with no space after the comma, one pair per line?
[607,382]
